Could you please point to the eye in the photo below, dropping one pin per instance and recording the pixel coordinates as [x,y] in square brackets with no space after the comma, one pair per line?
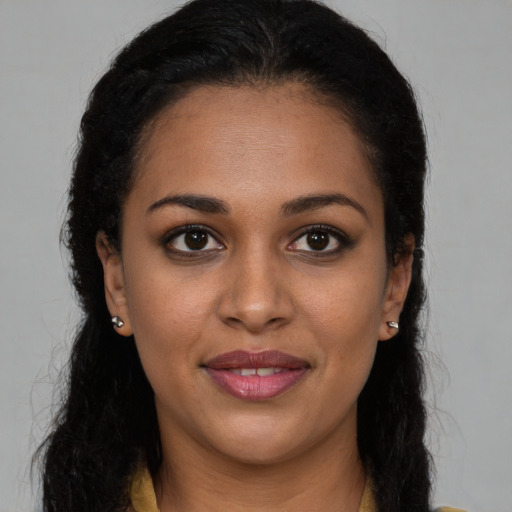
[321,239]
[190,239]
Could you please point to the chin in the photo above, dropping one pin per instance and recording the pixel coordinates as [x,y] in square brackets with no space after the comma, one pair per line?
[265,444]
[261,454]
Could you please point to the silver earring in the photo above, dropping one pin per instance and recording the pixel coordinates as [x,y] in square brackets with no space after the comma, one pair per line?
[392,325]
[117,322]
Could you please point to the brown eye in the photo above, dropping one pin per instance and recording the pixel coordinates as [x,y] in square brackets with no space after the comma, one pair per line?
[318,240]
[192,239]
[322,240]
[196,240]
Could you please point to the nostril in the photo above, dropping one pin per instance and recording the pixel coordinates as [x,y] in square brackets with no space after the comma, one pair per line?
[255,303]
[255,324]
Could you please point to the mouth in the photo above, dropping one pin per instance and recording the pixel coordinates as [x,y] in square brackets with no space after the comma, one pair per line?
[256,375]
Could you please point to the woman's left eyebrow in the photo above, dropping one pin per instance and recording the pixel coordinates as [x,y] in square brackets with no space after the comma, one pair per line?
[314,202]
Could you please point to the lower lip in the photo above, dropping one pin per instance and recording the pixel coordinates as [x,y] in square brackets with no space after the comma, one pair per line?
[254,387]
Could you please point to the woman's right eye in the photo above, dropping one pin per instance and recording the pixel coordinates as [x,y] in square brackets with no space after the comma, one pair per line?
[193,240]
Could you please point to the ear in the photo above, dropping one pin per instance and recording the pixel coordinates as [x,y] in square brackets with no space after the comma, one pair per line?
[113,276]
[399,279]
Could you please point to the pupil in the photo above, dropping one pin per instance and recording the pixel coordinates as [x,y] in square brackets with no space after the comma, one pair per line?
[196,240]
[318,241]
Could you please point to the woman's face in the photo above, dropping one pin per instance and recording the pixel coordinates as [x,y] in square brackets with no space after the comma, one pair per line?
[253,272]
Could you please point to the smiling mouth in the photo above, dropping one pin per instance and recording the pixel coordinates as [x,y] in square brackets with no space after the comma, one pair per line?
[256,375]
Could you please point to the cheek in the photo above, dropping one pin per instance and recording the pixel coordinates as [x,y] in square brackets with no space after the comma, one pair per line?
[347,304]
[168,314]
[345,316]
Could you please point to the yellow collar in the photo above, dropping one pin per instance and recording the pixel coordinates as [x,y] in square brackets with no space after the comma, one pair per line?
[142,494]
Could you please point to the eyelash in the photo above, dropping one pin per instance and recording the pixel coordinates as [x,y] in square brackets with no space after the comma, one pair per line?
[191,253]
[342,239]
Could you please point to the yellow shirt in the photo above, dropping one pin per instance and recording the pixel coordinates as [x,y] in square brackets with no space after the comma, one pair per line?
[143,496]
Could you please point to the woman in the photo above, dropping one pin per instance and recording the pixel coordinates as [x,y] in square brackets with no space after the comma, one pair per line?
[246,226]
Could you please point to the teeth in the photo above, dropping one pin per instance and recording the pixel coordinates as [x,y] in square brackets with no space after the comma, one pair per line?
[262,372]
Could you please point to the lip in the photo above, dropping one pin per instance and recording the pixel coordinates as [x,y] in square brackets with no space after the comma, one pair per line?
[256,387]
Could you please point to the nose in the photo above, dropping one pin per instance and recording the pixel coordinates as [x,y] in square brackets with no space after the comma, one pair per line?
[256,296]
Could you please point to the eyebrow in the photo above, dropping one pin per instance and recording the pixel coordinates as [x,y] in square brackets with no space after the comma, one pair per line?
[202,203]
[314,202]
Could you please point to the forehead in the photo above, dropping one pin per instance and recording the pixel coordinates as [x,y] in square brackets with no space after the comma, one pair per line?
[230,140]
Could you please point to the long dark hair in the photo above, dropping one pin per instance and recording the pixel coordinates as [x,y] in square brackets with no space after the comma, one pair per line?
[107,421]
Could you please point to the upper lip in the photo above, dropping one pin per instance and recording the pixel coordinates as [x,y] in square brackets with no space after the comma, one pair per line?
[264,359]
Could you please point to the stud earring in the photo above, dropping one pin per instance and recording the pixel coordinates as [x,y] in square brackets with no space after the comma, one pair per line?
[392,325]
[117,322]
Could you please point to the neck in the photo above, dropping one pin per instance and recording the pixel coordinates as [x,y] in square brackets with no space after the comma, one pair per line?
[328,478]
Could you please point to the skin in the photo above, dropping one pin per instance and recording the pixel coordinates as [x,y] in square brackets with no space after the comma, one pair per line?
[257,285]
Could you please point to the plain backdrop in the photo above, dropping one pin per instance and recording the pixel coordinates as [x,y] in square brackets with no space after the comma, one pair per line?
[457,55]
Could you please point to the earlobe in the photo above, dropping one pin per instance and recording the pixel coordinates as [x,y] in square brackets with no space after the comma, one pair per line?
[399,280]
[113,277]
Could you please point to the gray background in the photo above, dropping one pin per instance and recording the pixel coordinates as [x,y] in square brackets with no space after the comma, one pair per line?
[457,54]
